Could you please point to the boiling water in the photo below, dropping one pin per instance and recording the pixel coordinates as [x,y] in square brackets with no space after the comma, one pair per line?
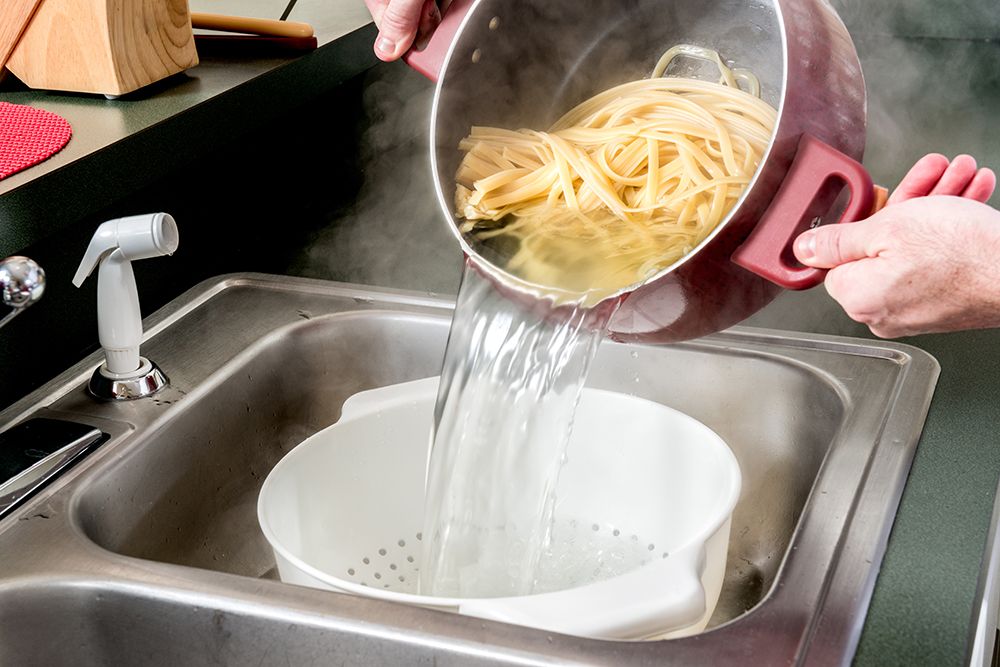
[509,387]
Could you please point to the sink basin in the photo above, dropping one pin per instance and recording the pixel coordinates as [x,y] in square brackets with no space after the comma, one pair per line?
[149,550]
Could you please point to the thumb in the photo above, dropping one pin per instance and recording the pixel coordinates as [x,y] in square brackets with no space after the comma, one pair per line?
[832,245]
[397,28]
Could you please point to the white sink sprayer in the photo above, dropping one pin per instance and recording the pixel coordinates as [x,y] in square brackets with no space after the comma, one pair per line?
[115,245]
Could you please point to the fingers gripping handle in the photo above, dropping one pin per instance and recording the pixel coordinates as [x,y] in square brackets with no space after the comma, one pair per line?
[430,60]
[767,251]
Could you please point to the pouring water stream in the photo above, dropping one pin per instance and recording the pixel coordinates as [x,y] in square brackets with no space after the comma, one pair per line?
[510,385]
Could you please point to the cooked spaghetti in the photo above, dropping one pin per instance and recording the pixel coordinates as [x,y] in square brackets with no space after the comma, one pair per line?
[623,185]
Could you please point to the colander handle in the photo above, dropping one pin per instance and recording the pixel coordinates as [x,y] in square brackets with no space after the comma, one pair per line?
[661,596]
[430,59]
[381,398]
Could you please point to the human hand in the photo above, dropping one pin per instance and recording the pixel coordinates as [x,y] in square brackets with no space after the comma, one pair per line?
[934,174]
[927,262]
[400,23]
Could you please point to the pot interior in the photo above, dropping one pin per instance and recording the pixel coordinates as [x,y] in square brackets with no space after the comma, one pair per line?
[523,64]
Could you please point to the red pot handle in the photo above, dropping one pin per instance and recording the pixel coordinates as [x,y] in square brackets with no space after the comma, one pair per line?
[767,251]
[430,59]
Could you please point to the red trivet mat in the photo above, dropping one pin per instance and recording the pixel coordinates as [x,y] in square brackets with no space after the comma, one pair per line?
[28,136]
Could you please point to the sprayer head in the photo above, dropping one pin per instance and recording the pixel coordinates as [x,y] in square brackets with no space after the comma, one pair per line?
[138,237]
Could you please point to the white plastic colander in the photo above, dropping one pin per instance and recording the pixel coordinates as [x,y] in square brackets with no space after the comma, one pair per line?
[650,488]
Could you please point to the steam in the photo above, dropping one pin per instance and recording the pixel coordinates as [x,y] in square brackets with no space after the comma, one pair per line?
[932,79]
[395,233]
[928,95]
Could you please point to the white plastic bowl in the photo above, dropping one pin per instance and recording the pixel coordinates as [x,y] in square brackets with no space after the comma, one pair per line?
[343,512]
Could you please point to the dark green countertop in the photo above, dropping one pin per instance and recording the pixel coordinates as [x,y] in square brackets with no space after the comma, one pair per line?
[924,602]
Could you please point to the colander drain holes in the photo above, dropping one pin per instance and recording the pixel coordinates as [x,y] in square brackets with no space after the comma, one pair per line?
[392,567]
[582,552]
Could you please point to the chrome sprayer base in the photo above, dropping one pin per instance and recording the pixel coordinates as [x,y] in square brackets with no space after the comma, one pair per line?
[148,380]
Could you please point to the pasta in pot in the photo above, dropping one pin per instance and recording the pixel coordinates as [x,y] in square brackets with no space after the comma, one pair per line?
[620,187]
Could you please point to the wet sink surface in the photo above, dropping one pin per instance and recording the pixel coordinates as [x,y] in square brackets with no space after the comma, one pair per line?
[154,538]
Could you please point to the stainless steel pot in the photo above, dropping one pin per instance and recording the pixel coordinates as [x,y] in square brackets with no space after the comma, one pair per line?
[522,63]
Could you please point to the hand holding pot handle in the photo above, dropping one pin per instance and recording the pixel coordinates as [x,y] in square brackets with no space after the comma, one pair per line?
[401,23]
[418,31]
[926,263]
[767,251]
[428,59]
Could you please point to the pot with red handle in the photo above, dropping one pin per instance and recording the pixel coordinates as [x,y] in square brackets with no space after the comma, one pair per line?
[523,63]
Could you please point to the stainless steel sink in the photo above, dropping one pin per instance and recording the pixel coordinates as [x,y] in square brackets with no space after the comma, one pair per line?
[148,552]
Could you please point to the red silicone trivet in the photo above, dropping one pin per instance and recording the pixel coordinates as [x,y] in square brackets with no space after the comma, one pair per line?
[28,136]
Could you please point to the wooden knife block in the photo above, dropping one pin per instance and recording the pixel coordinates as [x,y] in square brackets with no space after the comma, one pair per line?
[110,47]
